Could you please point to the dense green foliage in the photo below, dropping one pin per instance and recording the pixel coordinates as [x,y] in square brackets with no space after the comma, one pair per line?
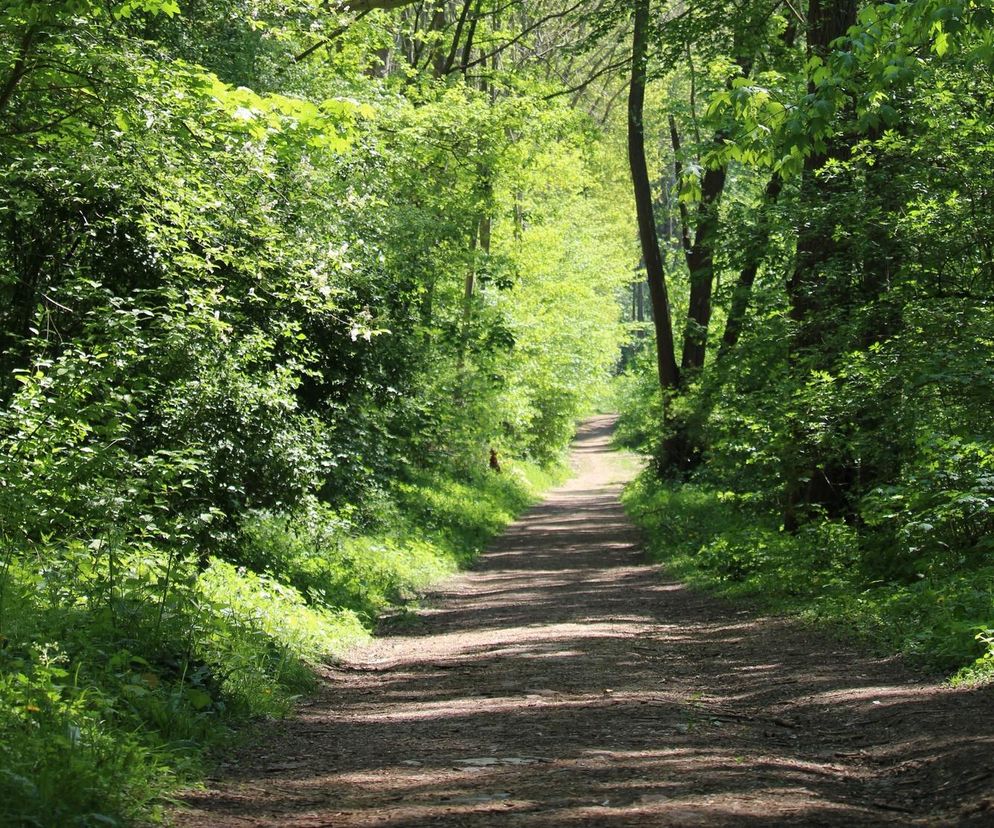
[297,299]
[122,663]
[720,541]
[273,285]
[836,453]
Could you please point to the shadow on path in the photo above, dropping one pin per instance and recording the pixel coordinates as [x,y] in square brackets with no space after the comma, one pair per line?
[565,682]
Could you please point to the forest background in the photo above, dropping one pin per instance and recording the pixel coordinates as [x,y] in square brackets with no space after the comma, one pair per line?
[279,279]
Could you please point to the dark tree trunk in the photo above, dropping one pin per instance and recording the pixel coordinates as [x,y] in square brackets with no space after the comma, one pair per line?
[747,276]
[467,304]
[467,48]
[827,21]
[19,70]
[450,59]
[808,289]
[700,264]
[669,374]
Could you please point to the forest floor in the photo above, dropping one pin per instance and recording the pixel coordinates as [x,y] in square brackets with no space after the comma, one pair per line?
[565,681]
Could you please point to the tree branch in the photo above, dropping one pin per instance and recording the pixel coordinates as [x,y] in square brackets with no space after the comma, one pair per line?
[678,169]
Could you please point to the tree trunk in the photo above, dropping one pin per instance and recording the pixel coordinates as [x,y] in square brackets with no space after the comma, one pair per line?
[700,264]
[747,276]
[827,21]
[669,374]
[807,287]
[450,59]
[19,70]
[467,303]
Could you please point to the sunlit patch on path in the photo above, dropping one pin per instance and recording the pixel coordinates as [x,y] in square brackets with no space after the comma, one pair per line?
[566,682]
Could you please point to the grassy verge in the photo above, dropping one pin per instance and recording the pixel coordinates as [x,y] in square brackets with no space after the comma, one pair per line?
[120,664]
[726,543]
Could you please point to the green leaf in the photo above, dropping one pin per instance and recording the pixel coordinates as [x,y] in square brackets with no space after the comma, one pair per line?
[941,45]
[198,699]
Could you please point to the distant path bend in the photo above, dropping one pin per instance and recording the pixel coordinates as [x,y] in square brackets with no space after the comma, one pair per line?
[564,682]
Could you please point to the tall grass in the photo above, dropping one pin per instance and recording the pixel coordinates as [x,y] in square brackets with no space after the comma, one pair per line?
[121,664]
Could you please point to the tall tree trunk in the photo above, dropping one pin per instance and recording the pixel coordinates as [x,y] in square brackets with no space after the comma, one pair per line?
[700,264]
[479,242]
[827,21]
[806,479]
[19,69]
[450,59]
[436,57]
[467,49]
[699,251]
[747,276]
[669,374]
[467,302]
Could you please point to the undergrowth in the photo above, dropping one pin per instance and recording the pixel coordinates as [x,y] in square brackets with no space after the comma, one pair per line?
[120,663]
[730,543]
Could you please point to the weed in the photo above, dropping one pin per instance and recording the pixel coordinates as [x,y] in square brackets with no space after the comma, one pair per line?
[160,653]
[726,542]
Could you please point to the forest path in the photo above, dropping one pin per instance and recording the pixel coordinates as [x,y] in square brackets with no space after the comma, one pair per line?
[563,681]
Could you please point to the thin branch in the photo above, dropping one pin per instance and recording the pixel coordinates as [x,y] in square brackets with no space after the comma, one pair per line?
[678,169]
[581,86]
[523,33]
[610,103]
[310,50]
[797,14]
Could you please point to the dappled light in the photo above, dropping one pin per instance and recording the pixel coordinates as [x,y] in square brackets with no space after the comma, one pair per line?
[302,305]
[598,692]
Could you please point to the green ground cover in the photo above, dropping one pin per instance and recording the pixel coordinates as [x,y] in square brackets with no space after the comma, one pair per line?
[728,544]
[119,669]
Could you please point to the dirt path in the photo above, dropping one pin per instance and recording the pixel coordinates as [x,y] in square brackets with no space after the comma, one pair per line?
[565,682]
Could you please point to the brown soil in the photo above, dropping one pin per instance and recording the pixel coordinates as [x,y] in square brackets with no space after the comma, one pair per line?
[564,681]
